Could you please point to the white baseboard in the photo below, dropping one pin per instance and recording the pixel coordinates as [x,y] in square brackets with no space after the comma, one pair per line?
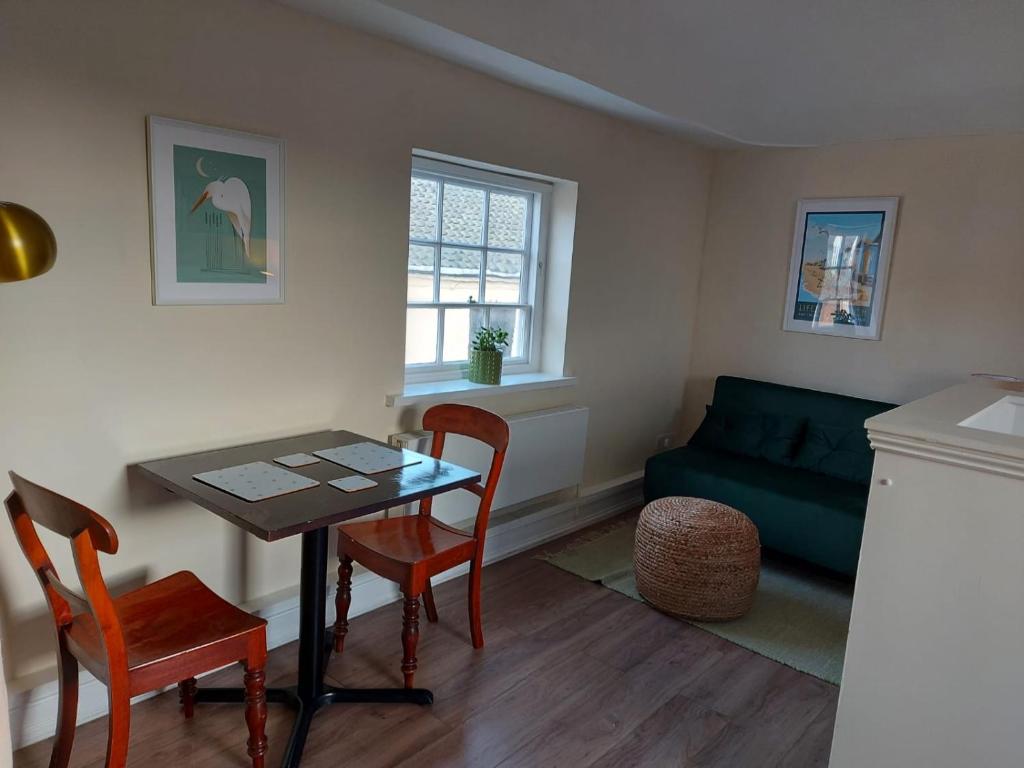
[33,712]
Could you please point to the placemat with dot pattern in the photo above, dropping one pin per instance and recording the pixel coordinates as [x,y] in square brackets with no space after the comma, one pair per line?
[256,481]
[369,458]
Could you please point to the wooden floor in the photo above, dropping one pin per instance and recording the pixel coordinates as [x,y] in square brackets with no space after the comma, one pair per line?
[572,675]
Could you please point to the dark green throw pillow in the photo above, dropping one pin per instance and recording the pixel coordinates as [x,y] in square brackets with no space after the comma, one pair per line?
[732,431]
[782,437]
[840,452]
[769,436]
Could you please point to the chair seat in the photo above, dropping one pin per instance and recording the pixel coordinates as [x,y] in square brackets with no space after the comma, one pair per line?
[413,542]
[177,616]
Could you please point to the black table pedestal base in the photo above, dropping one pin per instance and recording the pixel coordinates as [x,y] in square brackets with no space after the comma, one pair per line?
[306,709]
[311,694]
[331,695]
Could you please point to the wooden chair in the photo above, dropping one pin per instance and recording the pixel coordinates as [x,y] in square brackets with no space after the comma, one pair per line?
[410,549]
[163,633]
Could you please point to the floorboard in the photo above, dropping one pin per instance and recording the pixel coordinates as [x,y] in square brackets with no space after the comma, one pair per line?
[573,675]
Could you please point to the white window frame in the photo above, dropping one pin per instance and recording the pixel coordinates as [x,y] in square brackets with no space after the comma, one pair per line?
[534,256]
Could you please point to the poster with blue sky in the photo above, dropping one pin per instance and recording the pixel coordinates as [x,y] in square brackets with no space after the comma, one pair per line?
[839,267]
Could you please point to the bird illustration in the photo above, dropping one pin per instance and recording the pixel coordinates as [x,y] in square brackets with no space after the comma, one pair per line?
[232,197]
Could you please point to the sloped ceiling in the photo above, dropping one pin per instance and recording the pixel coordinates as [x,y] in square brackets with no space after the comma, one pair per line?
[733,72]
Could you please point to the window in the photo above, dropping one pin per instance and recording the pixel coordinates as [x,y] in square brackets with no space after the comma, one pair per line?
[845,273]
[475,260]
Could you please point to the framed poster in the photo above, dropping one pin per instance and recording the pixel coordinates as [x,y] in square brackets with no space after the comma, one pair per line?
[840,266]
[217,208]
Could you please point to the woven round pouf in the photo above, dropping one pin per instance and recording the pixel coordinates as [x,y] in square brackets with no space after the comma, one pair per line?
[696,558]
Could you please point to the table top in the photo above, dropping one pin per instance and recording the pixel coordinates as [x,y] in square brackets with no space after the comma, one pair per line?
[306,510]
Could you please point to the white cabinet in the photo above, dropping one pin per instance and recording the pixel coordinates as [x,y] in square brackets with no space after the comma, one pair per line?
[934,673]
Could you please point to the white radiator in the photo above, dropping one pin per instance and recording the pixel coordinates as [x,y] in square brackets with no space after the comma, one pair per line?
[545,454]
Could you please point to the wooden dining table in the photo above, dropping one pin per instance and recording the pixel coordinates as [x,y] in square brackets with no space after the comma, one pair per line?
[308,513]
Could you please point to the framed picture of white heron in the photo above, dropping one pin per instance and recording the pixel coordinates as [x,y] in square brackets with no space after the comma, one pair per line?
[217,207]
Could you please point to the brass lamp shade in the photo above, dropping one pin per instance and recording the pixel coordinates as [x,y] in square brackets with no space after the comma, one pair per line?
[27,245]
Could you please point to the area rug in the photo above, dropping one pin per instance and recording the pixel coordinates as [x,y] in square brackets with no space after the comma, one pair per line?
[799,619]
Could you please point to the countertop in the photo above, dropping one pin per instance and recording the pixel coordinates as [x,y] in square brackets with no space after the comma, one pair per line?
[936,419]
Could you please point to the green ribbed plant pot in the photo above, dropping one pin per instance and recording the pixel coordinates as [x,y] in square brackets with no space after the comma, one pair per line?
[484,367]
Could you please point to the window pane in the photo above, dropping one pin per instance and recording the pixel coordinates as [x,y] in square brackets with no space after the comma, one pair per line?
[846,288]
[459,326]
[460,274]
[506,221]
[421,273]
[420,336]
[513,321]
[423,209]
[504,277]
[463,214]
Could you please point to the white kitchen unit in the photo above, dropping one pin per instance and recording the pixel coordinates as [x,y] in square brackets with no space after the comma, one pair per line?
[934,674]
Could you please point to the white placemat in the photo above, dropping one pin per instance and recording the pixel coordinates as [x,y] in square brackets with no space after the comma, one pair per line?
[369,458]
[256,481]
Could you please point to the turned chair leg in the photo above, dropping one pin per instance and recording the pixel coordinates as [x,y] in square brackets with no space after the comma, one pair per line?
[67,713]
[342,602]
[428,603]
[410,635]
[187,694]
[476,629]
[256,712]
[118,725]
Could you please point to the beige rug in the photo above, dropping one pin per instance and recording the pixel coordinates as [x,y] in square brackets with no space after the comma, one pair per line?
[798,619]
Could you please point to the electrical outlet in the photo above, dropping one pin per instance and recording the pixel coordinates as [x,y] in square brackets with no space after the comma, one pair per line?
[664,442]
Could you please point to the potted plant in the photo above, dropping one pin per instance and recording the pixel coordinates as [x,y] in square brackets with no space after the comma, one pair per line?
[486,355]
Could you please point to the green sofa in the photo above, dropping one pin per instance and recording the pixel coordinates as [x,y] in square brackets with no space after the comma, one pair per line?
[796,461]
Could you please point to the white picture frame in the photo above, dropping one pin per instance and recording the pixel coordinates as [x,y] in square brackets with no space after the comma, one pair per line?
[839,267]
[229,247]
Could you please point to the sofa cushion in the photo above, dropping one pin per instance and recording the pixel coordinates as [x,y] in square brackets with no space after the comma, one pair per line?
[811,516]
[844,496]
[837,451]
[770,436]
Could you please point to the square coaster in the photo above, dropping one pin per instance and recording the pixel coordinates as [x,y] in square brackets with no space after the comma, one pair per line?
[353,483]
[297,460]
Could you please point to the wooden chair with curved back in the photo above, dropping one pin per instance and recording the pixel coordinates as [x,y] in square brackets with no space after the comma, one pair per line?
[163,633]
[410,549]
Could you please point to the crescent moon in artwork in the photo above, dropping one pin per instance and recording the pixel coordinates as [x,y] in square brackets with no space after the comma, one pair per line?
[199,169]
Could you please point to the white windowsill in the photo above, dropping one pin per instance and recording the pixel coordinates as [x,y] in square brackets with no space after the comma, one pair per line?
[439,391]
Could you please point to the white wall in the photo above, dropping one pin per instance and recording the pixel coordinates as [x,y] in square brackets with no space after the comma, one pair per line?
[96,378]
[953,302]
